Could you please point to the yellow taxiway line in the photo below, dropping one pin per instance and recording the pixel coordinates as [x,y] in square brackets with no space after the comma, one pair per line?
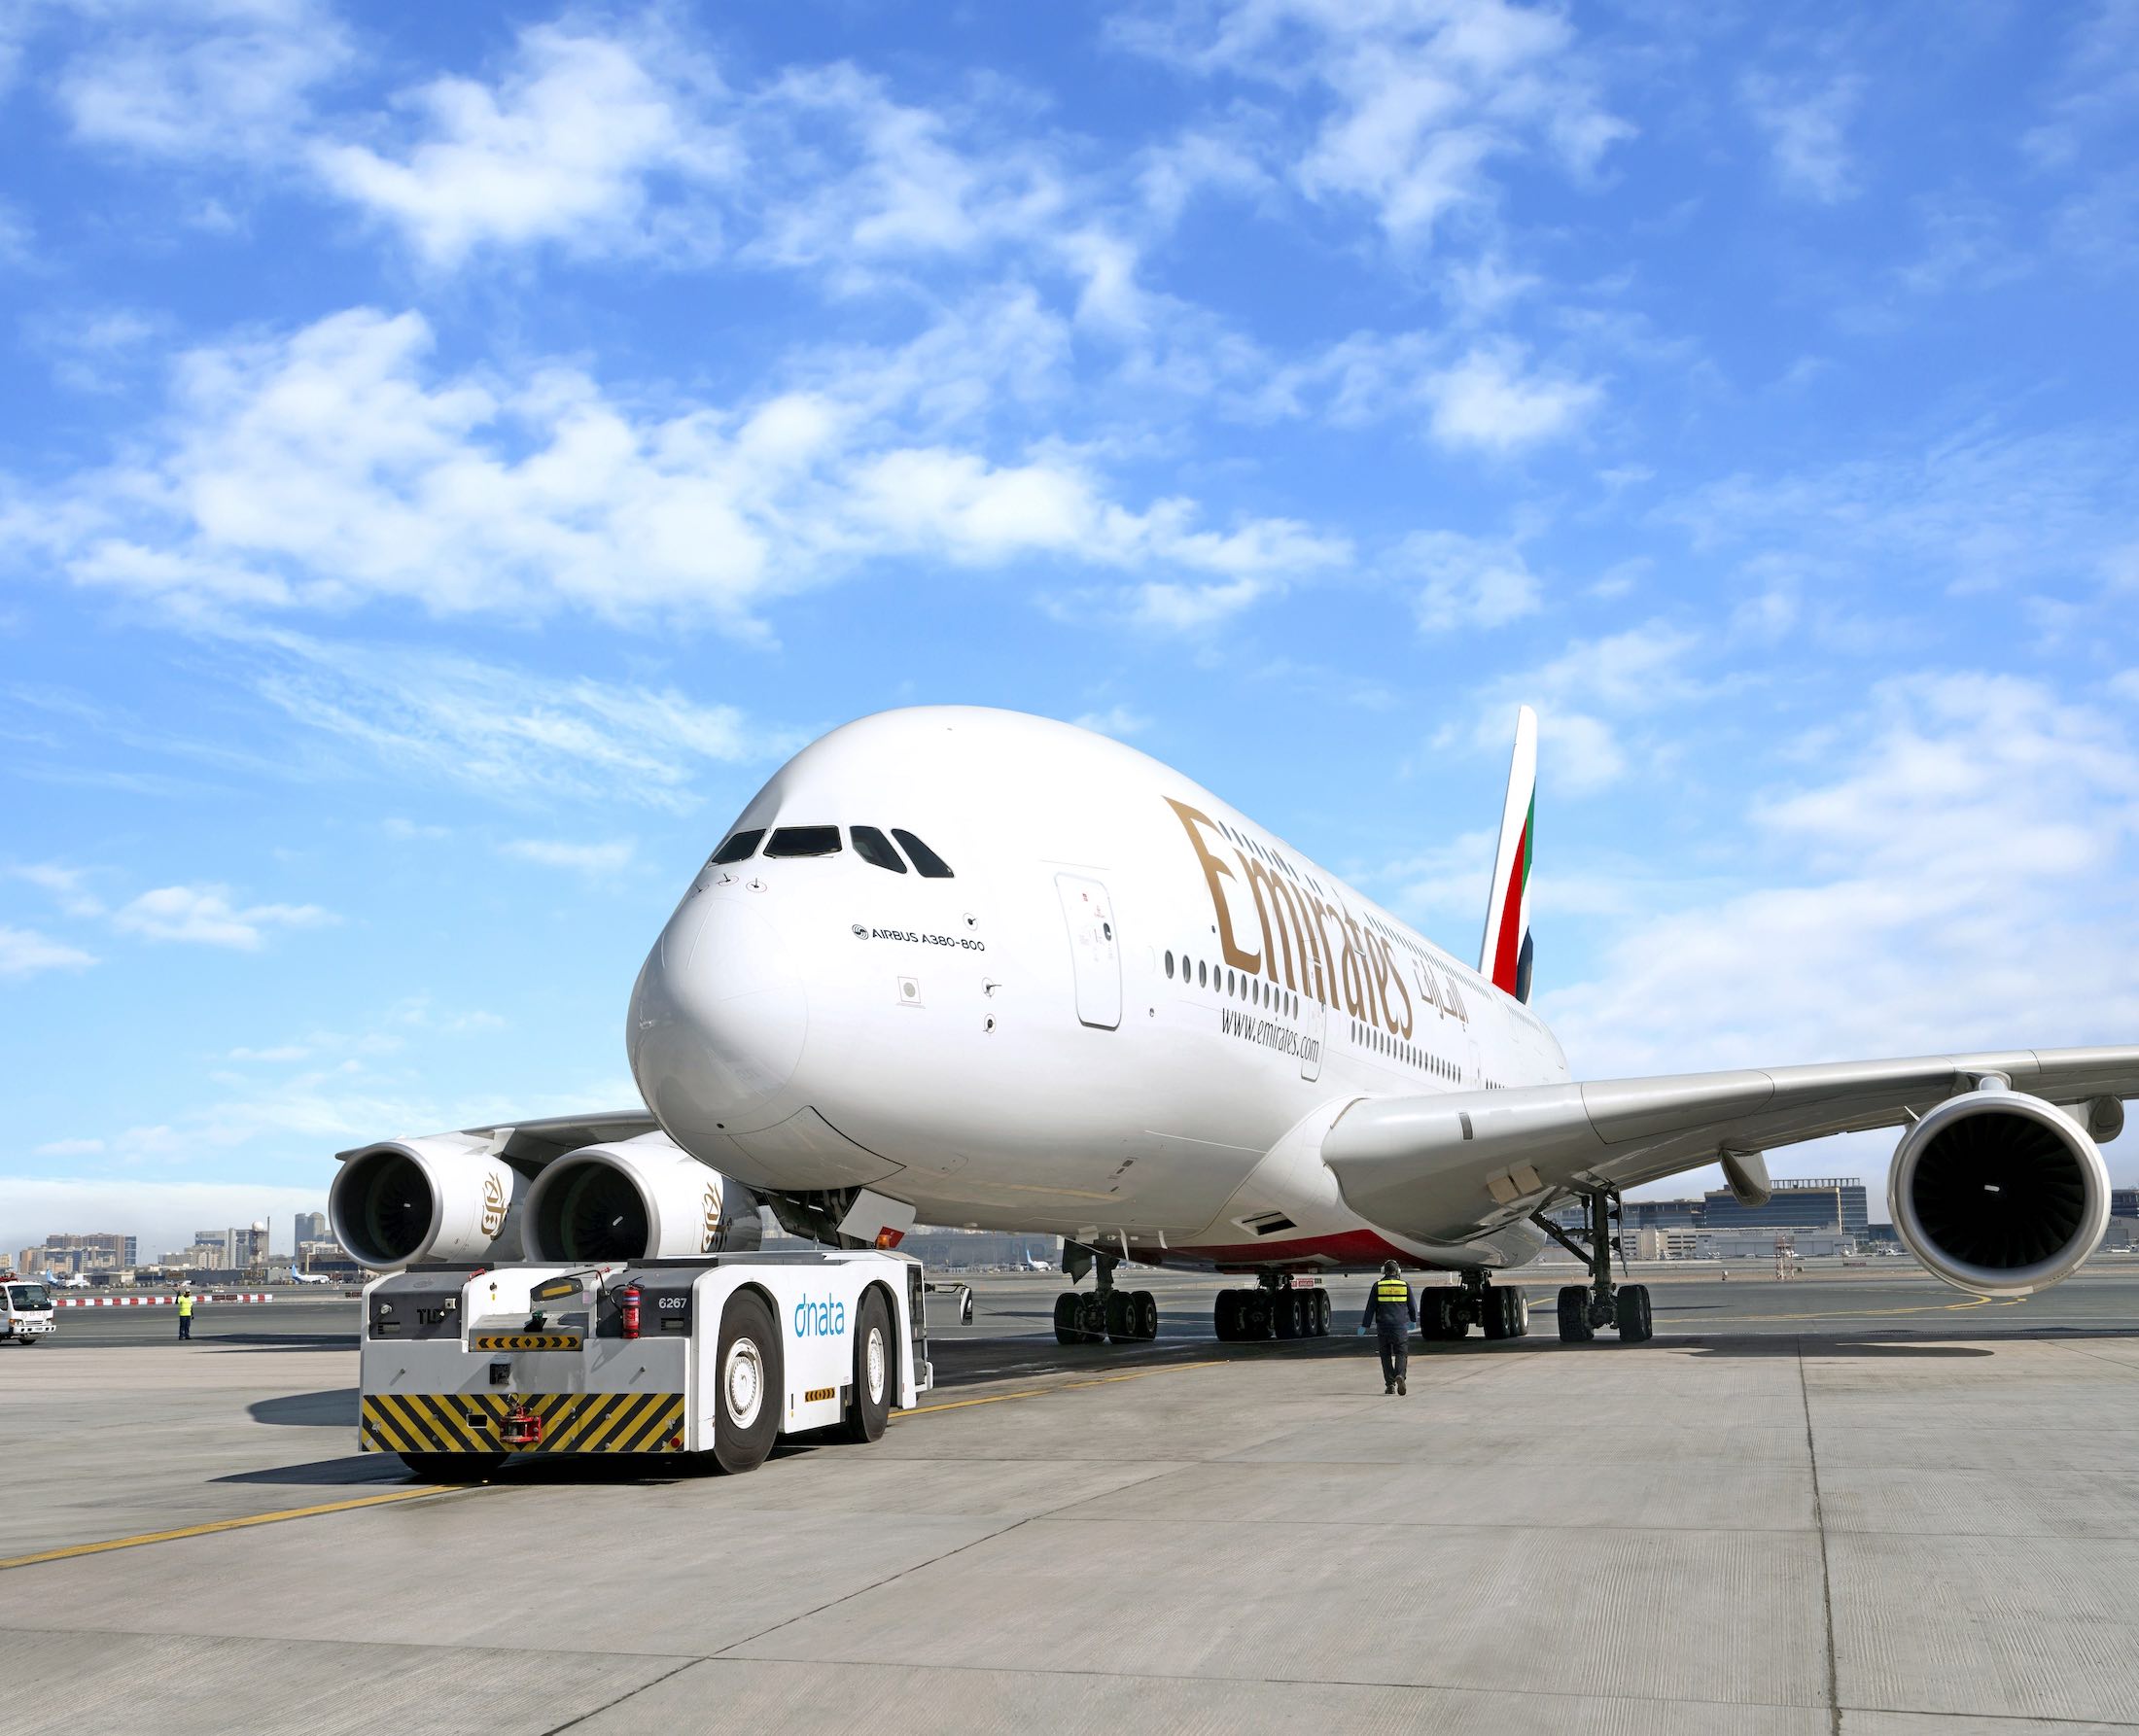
[167,1536]
[344,1506]
[1973,1301]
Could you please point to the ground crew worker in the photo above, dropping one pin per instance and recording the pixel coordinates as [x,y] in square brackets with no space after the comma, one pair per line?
[1392,1313]
[185,1312]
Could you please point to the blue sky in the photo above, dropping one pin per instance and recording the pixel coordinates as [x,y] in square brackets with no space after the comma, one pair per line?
[451,454]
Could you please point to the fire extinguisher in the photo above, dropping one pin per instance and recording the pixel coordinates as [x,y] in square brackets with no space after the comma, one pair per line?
[629,1296]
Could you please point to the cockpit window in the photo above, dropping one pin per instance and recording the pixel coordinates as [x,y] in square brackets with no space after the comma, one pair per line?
[737,847]
[804,840]
[874,848]
[931,865]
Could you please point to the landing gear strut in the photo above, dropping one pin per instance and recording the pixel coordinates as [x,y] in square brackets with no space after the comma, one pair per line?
[1585,1308]
[1502,1312]
[1105,1314]
[1273,1309]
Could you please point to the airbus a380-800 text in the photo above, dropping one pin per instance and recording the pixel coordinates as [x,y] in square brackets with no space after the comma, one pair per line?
[964,966]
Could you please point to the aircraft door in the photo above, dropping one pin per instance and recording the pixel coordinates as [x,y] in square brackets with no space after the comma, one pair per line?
[1314,1020]
[1095,950]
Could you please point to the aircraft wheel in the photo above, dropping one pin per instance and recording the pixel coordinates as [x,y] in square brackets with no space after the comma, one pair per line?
[1225,1316]
[1635,1326]
[752,1389]
[1322,1310]
[1284,1314]
[1144,1308]
[1255,1316]
[1446,1314]
[451,1468]
[1574,1314]
[1519,1312]
[1092,1318]
[1067,1328]
[1121,1316]
[875,1371]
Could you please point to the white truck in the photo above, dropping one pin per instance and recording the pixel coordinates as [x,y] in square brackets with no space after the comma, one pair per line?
[25,1311]
[701,1361]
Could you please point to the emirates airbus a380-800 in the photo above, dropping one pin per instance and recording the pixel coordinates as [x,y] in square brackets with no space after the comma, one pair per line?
[962,966]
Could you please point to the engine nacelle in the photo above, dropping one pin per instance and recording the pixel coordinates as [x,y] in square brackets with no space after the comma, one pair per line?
[443,1197]
[1998,1192]
[643,1199]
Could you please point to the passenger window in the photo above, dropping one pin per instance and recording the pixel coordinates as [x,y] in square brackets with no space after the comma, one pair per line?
[931,865]
[1170,967]
[1200,979]
[874,848]
[803,841]
[737,847]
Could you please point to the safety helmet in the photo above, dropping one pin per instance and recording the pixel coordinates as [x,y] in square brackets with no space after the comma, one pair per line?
[1388,1268]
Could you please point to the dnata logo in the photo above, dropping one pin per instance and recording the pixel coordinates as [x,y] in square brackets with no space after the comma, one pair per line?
[825,1319]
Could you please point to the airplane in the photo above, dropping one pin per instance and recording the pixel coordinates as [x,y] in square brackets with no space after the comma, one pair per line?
[299,1277]
[73,1281]
[964,966]
[1034,1262]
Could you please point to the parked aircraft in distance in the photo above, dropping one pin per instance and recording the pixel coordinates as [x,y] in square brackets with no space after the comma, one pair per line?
[967,966]
[73,1281]
[300,1278]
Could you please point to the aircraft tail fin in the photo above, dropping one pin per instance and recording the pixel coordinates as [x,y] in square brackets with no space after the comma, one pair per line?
[1505,956]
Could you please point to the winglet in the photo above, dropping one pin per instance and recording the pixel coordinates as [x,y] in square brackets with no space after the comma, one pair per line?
[1505,956]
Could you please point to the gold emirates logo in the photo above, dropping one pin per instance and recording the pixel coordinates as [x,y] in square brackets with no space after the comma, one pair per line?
[494,1204]
[711,1235]
[1296,925]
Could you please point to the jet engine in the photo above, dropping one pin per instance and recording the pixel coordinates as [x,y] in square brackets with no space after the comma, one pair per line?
[643,1199]
[1998,1192]
[443,1197]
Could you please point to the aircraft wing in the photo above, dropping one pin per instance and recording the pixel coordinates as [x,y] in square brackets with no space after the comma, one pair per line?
[1420,1165]
[530,1144]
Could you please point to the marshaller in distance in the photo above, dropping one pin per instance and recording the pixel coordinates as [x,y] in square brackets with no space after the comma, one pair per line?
[969,966]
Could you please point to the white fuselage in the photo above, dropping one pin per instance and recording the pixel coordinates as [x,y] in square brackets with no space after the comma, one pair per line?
[1126,1017]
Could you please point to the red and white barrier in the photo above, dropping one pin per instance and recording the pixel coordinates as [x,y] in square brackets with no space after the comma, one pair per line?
[156,1301]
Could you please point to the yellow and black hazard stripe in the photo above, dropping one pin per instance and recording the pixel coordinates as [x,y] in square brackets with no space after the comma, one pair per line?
[475,1422]
[526,1342]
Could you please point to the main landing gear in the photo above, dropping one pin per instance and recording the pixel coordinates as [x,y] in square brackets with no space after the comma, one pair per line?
[1585,1308]
[1273,1309]
[1106,1315]
[1501,1314]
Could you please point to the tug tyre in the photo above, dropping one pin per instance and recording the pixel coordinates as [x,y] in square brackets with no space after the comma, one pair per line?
[451,1468]
[1574,1314]
[749,1385]
[875,1371]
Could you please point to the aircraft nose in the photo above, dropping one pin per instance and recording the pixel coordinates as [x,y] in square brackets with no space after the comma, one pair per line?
[717,1017]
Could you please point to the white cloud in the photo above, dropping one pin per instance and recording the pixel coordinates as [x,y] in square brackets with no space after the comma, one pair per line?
[68,1148]
[503,731]
[69,886]
[281,1052]
[1806,123]
[204,916]
[1120,721]
[571,145]
[162,1214]
[1953,882]
[1410,102]
[1487,402]
[605,857]
[1465,581]
[202,78]
[23,953]
[336,467]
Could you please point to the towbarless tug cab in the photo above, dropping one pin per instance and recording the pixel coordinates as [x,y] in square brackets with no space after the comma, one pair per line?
[703,1360]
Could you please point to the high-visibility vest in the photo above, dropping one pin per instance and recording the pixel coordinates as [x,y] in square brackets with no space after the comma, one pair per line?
[1392,1289]
[185,1307]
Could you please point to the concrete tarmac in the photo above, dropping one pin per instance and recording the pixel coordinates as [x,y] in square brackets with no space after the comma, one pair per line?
[1853,1502]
